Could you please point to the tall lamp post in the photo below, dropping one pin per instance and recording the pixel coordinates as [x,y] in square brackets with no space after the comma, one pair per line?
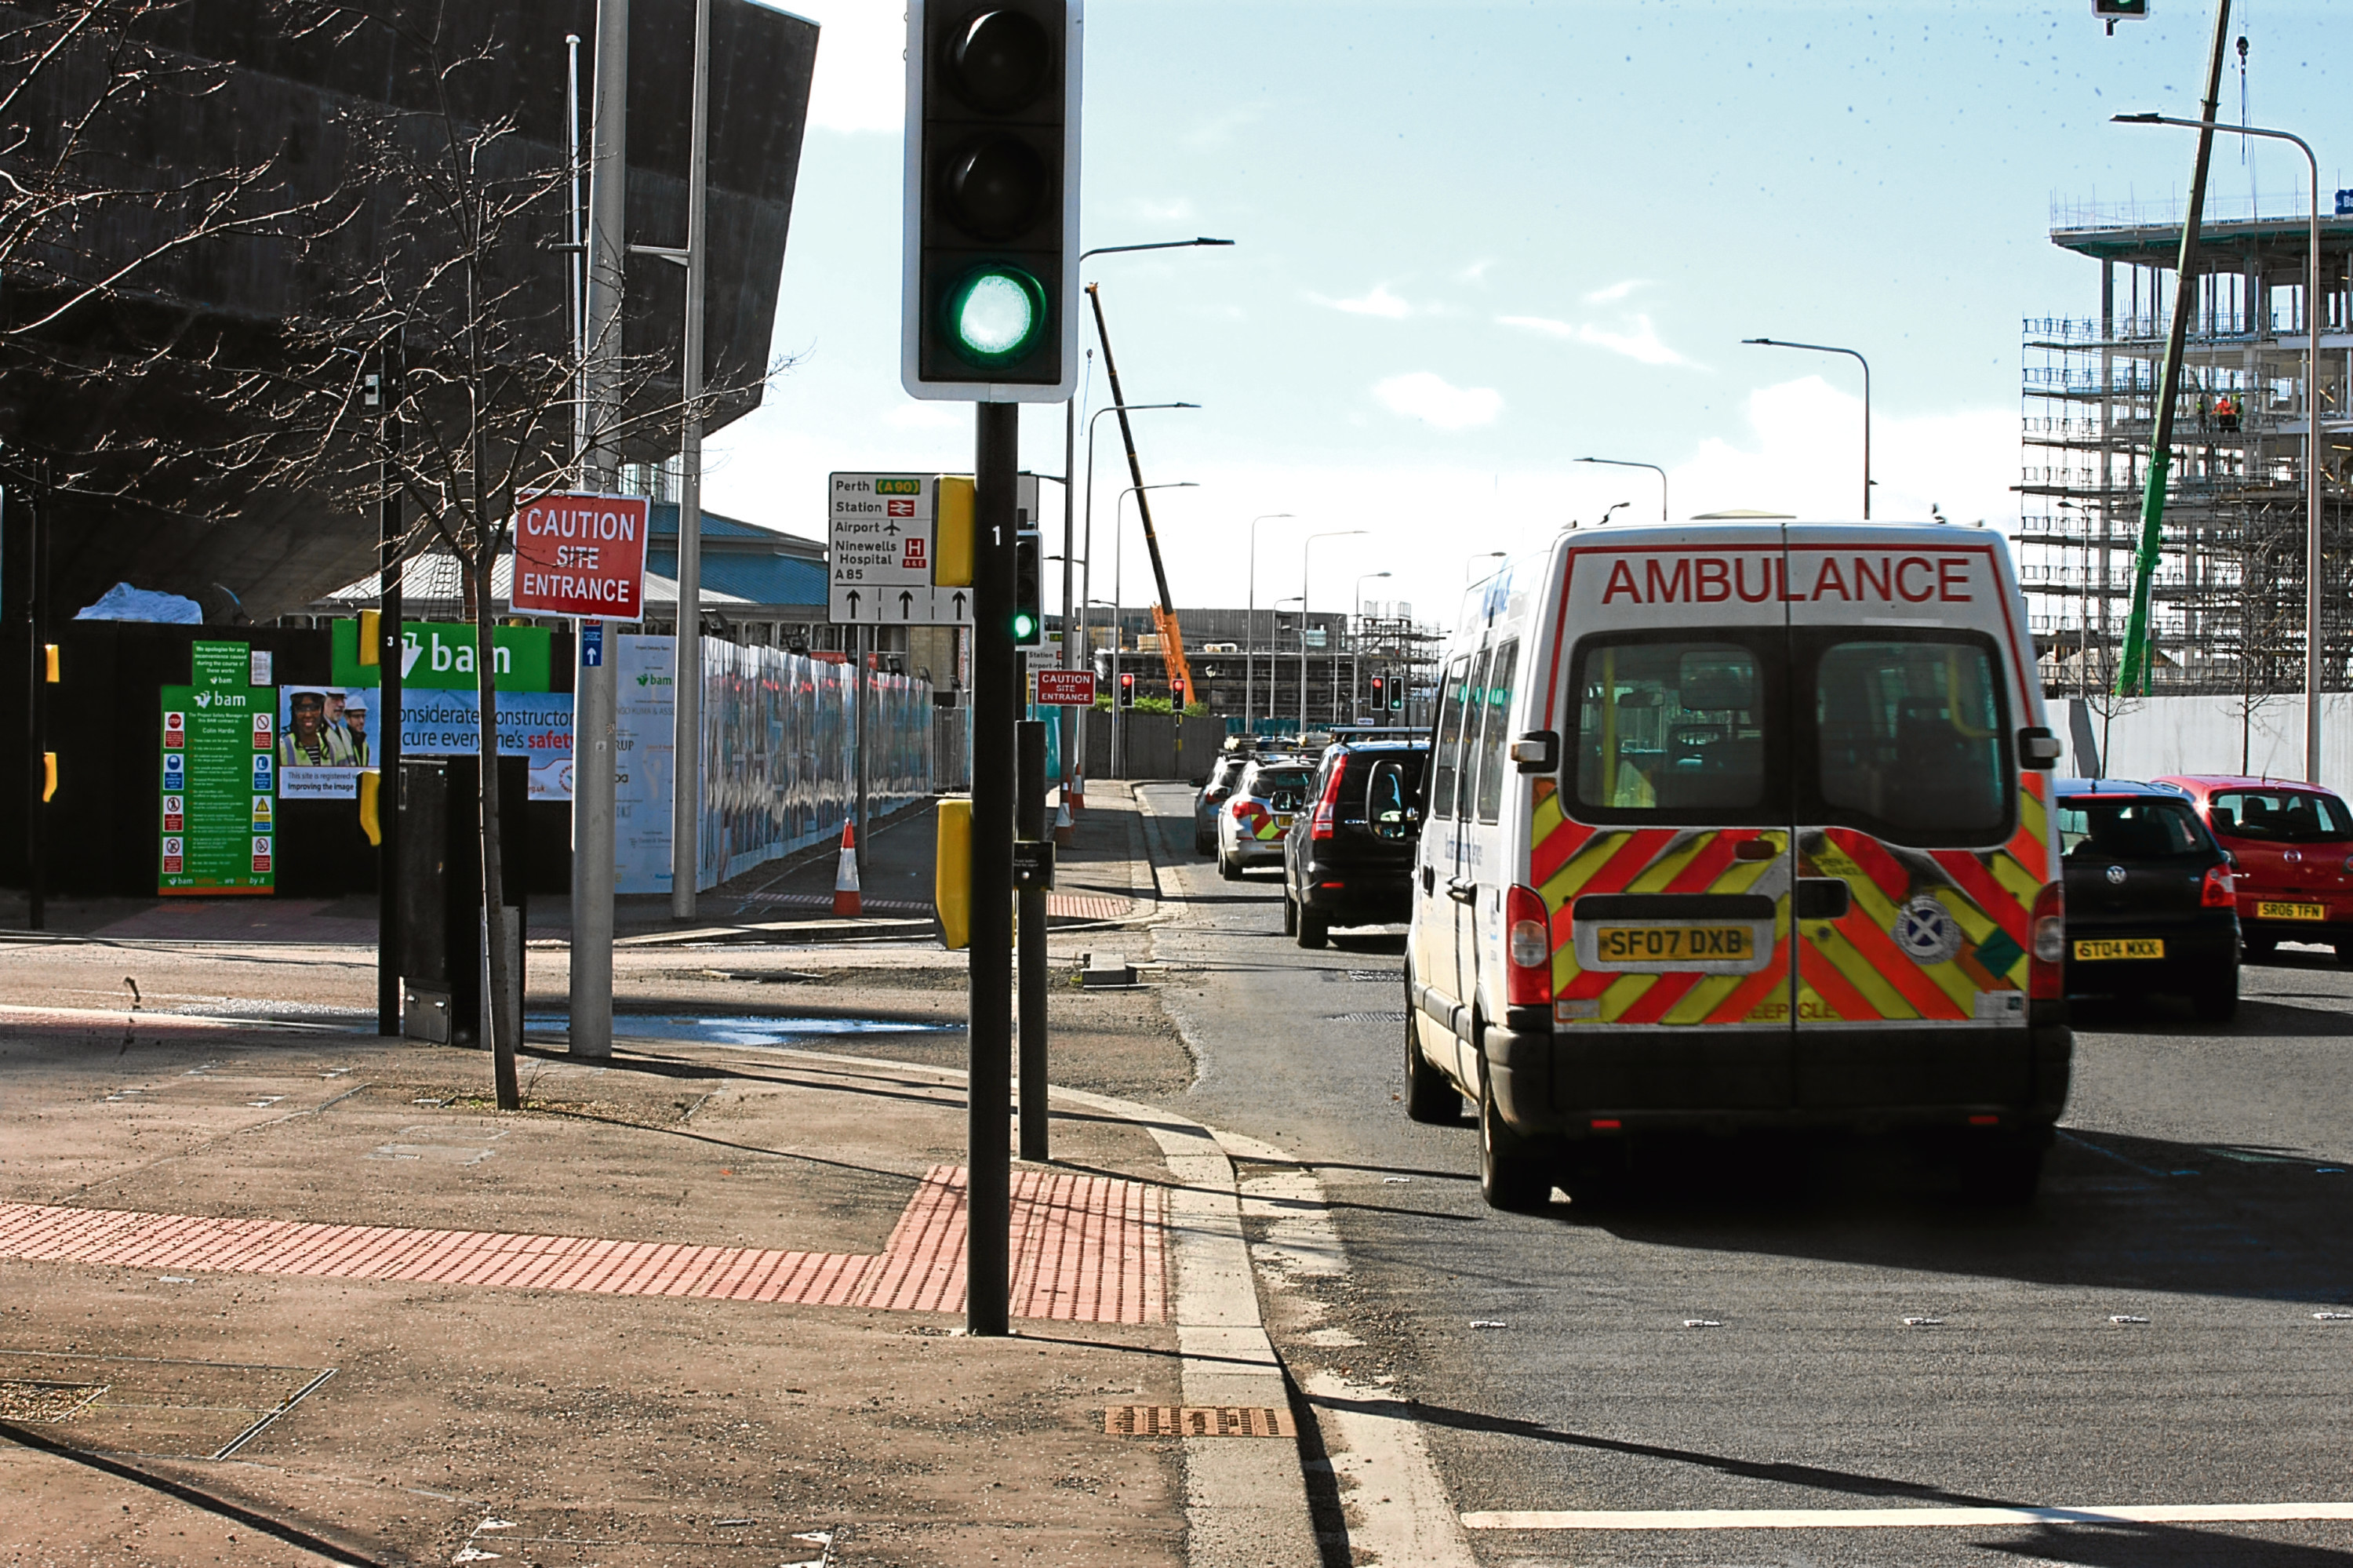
[1119,594]
[1249,620]
[1306,558]
[1356,647]
[1070,442]
[1087,583]
[2312,313]
[1470,566]
[1274,645]
[1857,356]
[1654,468]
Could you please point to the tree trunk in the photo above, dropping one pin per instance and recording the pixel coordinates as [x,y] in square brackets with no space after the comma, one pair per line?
[505,1027]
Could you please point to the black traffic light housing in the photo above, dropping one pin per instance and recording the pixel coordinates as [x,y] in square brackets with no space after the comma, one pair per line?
[1380,695]
[1397,694]
[1028,623]
[1127,688]
[988,274]
[1177,694]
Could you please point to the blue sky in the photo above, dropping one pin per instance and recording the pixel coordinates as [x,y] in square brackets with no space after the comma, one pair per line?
[1476,242]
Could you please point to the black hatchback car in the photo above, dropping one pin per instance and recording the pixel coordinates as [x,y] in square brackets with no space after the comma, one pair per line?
[2151,907]
[1351,862]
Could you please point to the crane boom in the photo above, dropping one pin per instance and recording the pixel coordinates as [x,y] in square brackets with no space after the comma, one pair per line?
[1163,611]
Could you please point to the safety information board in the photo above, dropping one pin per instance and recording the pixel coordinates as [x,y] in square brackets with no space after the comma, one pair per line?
[218,810]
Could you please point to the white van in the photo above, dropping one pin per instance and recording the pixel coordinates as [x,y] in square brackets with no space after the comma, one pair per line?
[1735,826]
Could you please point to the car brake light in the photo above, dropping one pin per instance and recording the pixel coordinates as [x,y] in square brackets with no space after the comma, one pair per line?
[1239,806]
[2219,890]
[2046,978]
[1327,806]
[1528,928]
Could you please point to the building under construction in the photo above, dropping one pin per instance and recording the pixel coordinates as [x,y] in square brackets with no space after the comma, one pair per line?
[2228,599]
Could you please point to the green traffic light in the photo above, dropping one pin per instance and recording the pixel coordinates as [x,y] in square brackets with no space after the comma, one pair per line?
[996,314]
[1022,627]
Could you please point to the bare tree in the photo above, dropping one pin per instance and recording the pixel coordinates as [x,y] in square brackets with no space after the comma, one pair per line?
[462,288]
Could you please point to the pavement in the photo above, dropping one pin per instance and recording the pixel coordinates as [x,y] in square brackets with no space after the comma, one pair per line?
[275,1289]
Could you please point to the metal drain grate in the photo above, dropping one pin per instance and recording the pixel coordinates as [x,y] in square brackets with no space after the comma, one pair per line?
[1367,976]
[1195,1421]
[1394,1016]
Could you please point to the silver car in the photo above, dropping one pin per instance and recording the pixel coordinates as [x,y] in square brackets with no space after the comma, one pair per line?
[1253,822]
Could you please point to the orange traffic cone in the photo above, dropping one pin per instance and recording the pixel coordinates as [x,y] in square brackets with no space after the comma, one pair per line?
[1064,829]
[846,899]
[1075,793]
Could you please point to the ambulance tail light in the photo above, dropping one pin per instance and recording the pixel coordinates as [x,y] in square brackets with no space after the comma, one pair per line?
[2219,890]
[2047,957]
[1327,805]
[1528,936]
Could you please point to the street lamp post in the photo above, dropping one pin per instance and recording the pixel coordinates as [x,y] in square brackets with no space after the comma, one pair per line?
[1087,585]
[1249,620]
[1307,557]
[1654,468]
[1274,645]
[1356,649]
[1119,594]
[2312,313]
[1472,564]
[1858,358]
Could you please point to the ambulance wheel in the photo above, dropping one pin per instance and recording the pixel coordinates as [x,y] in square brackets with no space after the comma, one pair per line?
[1230,868]
[1290,914]
[1314,928]
[1514,1173]
[2001,1171]
[1430,1094]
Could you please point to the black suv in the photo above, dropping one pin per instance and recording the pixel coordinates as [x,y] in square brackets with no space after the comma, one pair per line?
[2150,902]
[1351,862]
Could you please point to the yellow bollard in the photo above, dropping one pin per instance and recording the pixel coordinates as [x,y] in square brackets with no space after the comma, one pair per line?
[952,873]
[370,824]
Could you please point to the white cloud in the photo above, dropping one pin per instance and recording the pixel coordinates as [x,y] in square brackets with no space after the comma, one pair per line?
[1219,129]
[1376,302]
[1615,291]
[1476,272]
[861,72]
[1640,340]
[1807,459]
[1434,401]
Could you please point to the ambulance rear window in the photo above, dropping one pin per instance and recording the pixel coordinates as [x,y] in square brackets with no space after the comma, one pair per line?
[1909,741]
[1671,730]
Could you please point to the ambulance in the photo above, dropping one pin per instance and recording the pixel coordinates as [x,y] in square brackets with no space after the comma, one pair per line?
[1735,826]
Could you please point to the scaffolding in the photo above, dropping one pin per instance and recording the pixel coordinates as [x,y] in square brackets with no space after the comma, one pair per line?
[2227,602]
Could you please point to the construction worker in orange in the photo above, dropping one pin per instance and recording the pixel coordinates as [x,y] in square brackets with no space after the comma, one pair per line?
[2226,412]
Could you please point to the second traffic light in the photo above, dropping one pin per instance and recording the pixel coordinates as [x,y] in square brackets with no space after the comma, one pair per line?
[989,271]
[1380,695]
[1029,622]
[1127,688]
[1397,694]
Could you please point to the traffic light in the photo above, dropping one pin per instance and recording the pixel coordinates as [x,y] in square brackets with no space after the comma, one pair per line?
[1177,694]
[1028,622]
[1127,688]
[989,272]
[1380,695]
[1397,694]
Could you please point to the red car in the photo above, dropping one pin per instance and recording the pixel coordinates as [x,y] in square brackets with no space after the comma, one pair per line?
[2293,844]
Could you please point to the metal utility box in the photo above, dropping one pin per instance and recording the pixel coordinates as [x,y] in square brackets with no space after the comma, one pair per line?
[444,938]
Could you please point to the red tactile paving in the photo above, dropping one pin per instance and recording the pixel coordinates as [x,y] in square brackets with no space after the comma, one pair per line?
[1085,1248]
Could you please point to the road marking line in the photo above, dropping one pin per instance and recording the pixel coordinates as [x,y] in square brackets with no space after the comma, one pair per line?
[1902,1517]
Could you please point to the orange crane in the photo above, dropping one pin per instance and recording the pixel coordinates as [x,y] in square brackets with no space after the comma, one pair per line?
[1163,611]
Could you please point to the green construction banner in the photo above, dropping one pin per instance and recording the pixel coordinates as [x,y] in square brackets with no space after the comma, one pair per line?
[438,655]
[219,804]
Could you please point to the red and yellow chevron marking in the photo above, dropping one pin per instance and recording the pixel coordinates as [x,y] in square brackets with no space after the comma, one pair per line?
[1851,969]
[1258,821]
[1569,860]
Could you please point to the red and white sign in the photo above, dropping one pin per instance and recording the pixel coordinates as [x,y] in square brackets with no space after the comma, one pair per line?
[582,556]
[1066,688]
[175,732]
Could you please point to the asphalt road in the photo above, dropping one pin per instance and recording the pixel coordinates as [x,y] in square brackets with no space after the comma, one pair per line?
[1779,1325]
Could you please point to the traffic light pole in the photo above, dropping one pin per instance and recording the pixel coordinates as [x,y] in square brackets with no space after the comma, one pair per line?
[995,700]
[389,960]
[1030,823]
